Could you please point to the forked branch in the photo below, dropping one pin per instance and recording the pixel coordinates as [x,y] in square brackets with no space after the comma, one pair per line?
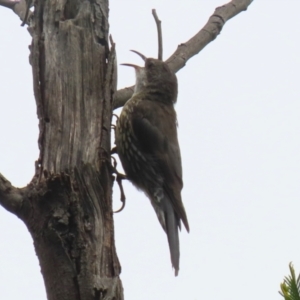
[11,198]
[185,51]
[18,7]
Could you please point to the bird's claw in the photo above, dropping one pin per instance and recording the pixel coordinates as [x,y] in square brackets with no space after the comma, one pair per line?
[119,178]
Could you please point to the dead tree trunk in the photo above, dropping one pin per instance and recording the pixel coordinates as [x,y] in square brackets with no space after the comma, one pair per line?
[67,206]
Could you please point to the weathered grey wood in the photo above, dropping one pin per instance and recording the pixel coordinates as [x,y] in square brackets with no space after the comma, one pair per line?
[68,205]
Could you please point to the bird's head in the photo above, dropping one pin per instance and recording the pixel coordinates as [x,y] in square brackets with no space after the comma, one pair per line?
[140,77]
[156,76]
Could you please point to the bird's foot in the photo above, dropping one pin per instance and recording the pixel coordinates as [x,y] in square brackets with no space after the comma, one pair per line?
[119,178]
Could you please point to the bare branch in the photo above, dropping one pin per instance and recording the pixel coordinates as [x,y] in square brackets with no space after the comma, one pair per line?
[11,198]
[207,34]
[192,47]
[159,35]
[18,7]
[7,3]
[122,96]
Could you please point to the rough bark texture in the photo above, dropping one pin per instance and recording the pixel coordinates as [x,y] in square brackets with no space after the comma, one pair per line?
[67,206]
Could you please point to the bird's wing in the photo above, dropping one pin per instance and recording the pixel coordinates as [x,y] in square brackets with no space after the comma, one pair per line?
[154,125]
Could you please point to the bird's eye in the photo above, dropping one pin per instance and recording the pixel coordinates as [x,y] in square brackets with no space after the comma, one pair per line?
[150,63]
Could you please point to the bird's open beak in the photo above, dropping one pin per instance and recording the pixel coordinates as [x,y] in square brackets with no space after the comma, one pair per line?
[131,65]
[136,66]
[140,54]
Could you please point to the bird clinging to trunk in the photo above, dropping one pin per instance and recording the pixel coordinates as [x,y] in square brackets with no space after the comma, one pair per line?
[147,144]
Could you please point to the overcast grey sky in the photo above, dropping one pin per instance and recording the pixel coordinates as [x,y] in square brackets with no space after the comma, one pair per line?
[239,130]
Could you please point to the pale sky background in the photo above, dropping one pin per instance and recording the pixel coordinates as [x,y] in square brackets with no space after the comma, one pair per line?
[239,130]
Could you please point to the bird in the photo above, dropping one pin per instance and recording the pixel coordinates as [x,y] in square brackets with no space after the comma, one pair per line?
[147,145]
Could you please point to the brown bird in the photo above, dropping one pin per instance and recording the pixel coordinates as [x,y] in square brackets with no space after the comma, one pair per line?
[147,144]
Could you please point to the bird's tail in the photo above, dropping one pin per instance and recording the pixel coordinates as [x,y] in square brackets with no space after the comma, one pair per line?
[172,224]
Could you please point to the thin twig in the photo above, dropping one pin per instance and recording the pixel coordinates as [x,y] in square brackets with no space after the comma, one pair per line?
[159,34]
[112,43]
[28,5]
[192,47]
[19,7]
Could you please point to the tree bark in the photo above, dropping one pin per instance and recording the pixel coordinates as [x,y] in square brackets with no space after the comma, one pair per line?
[68,205]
